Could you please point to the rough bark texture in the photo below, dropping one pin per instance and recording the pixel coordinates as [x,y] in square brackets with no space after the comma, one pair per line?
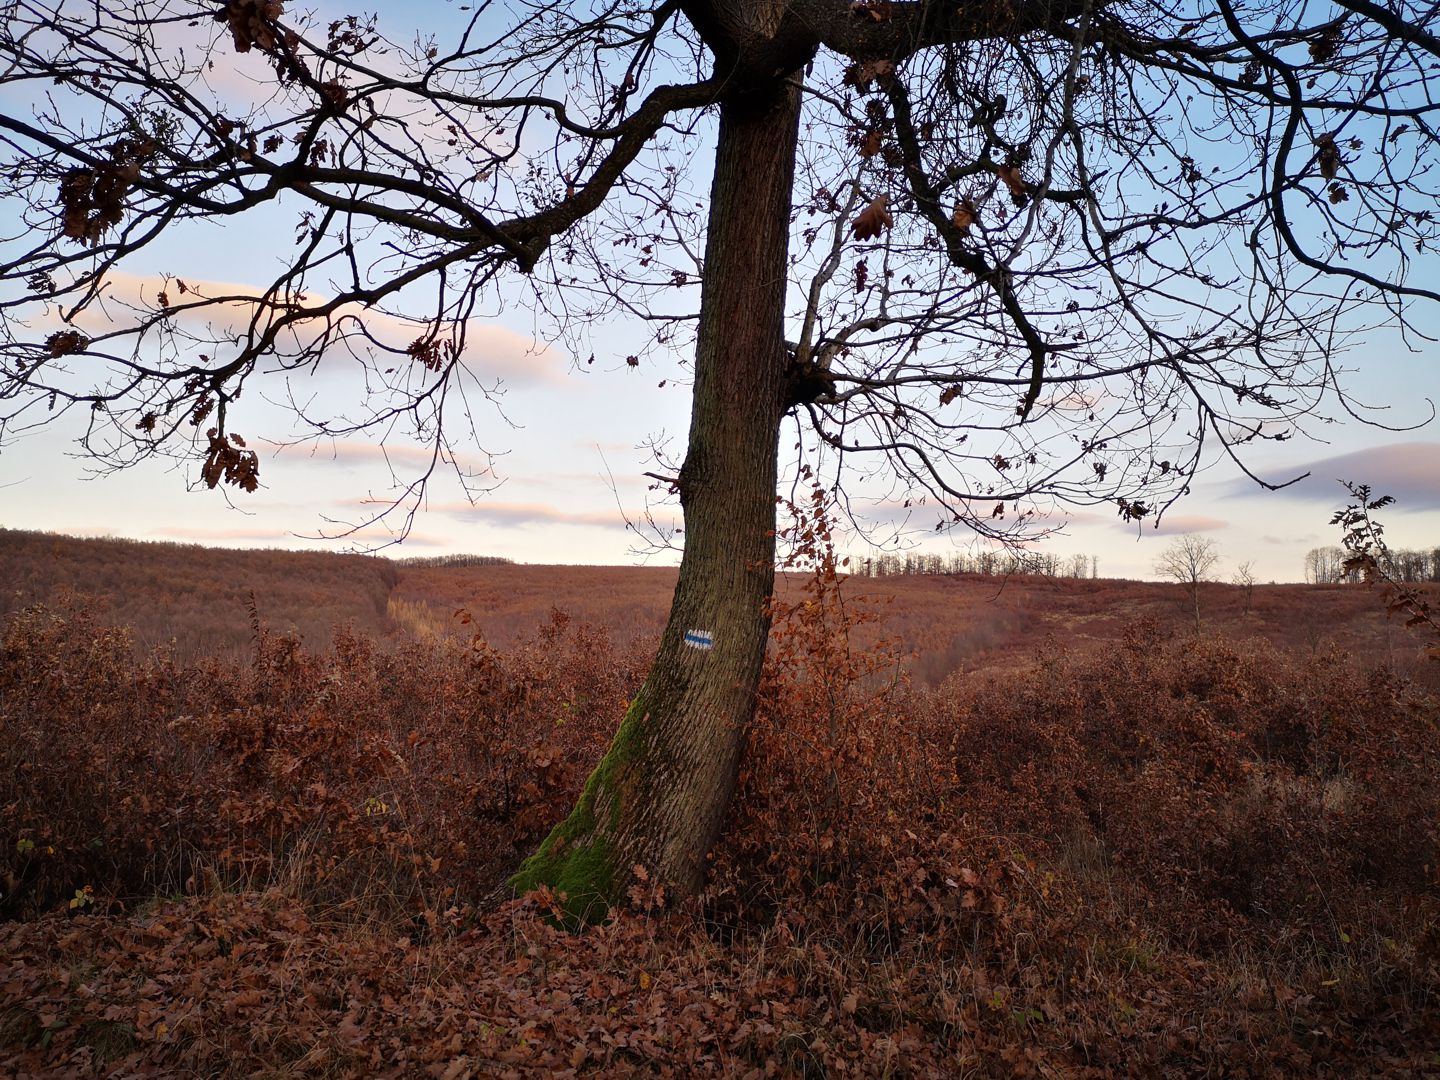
[658,796]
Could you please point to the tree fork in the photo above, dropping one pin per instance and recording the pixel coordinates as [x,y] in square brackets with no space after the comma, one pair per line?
[659,795]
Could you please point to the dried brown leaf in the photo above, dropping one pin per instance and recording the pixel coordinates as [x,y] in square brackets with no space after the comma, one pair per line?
[872,10]
[1329,156]
[863,73]
[1010,176]
[873,220]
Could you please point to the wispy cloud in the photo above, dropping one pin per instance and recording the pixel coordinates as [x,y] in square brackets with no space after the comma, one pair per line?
[1179,524]
[1290,541]
[518,514]
[358,452]
[492,351]
[238,536]
[251,537]
[1409,471]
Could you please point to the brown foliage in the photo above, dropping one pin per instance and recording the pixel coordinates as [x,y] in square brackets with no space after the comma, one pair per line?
[873,220]
[1178,856]
[338,767]
[228,460]
[252,23]
[193,599]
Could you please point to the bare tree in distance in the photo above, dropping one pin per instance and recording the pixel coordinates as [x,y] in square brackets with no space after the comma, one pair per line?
[1002,257]
[1188,560]
[1245,578]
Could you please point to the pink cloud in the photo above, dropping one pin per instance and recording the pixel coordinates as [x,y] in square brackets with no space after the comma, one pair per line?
[1178,524]
[492,351]
[514,514]
[198,533]
[253,537]
[359,452]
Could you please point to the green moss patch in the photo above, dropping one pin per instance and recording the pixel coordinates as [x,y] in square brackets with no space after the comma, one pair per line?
[575,860]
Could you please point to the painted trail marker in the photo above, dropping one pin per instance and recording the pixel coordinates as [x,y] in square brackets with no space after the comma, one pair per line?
[700,639]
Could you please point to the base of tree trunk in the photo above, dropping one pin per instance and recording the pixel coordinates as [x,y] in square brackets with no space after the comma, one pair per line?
[576,861]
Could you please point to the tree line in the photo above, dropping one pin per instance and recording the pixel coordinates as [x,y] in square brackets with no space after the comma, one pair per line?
[989,563]
[1326,565]
[418,561]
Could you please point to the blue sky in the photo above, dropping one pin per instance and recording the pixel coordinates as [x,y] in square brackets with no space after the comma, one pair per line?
[566,443]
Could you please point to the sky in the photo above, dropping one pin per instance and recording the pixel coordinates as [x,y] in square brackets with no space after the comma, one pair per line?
[563,451]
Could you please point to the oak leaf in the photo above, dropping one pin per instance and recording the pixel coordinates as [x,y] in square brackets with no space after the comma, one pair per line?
[873,220]
[863,73]
[65,342]
[1010,176]
[1329,156]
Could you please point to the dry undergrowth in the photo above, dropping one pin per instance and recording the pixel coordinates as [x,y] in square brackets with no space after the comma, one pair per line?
[1181,857]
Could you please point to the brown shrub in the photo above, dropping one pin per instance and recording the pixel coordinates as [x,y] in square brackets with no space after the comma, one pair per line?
[1187,856]
[420,770]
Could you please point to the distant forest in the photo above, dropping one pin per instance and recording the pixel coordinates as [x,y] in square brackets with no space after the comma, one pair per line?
[996,563]
[454,560]
[1326,565]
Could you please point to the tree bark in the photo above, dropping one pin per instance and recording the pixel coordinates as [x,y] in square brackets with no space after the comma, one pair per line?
[659,795]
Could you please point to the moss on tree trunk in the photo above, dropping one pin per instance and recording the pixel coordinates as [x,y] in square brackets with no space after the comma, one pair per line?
[576,860]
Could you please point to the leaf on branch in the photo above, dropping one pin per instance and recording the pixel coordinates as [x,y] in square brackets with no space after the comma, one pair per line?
[230,463]
[1324,46]
[202,409]
[1132,511]
[861,75]
[949,394]
[430,353]
[253,26]
[1329,156]
[252,23]
[862,274]
[1338,194]
[65,342]
[873,220]
[965,215]
[1010,176]
[874,10]
[871,144]
[336,94]
[93,199]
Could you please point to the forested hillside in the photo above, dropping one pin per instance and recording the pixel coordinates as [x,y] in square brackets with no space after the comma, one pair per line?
[939,624]
[197,597]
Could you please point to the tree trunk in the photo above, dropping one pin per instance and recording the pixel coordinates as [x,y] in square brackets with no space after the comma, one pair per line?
[658,796]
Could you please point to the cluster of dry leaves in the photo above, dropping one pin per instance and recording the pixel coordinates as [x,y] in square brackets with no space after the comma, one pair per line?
[1196,857]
